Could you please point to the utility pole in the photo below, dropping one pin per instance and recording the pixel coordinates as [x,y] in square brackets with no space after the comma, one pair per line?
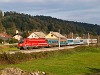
[59,38]
[72,35]
[88,38]
[98,40]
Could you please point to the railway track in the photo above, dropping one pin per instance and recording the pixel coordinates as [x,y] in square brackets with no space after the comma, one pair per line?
[41,49]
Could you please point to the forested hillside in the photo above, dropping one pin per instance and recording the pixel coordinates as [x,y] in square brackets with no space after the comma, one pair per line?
[12,21]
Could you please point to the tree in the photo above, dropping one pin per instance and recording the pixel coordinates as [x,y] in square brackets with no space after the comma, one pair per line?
[1,14]
[2,29]
[11,41]
[25,22]
[1,41]
[12,28]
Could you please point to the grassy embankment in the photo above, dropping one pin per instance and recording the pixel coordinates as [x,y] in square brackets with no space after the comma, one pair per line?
[78,61]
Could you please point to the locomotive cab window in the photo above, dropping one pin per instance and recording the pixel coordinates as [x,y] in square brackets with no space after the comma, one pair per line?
[21,41]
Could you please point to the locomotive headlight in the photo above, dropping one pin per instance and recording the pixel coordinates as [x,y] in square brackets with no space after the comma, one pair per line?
[20,44]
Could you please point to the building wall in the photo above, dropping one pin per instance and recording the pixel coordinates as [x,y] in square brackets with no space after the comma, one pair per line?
[51,36]
[33,36]
[18,37]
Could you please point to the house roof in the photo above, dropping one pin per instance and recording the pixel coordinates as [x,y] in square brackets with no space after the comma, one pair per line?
[5,35]
[39,34]
[57,34]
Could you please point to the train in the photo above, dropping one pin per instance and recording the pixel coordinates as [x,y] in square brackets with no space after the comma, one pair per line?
[28,43]
[81,41]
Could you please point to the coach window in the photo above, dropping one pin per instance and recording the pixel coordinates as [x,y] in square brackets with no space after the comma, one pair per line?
[49,41]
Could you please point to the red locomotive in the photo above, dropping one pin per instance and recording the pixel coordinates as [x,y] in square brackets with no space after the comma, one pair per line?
[32,43]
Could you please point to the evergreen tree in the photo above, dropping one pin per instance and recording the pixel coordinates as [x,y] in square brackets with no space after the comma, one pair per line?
[24,23]
[12,28]
[1,14]
[2,29]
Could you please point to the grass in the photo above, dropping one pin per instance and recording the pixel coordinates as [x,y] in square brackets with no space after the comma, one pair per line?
[6,48]
[79,61]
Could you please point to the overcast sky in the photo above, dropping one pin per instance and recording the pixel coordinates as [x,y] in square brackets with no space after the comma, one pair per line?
[73,10]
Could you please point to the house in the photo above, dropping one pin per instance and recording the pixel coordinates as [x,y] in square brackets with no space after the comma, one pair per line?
[37,35]
[5,36]
[55,35]
[78,38]
[18,37]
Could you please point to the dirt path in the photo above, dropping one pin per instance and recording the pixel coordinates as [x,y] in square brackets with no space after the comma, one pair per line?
[42,49]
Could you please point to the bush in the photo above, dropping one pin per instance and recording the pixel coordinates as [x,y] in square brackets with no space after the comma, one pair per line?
[19,57]
[12,46]
[1,41]
[13,41]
